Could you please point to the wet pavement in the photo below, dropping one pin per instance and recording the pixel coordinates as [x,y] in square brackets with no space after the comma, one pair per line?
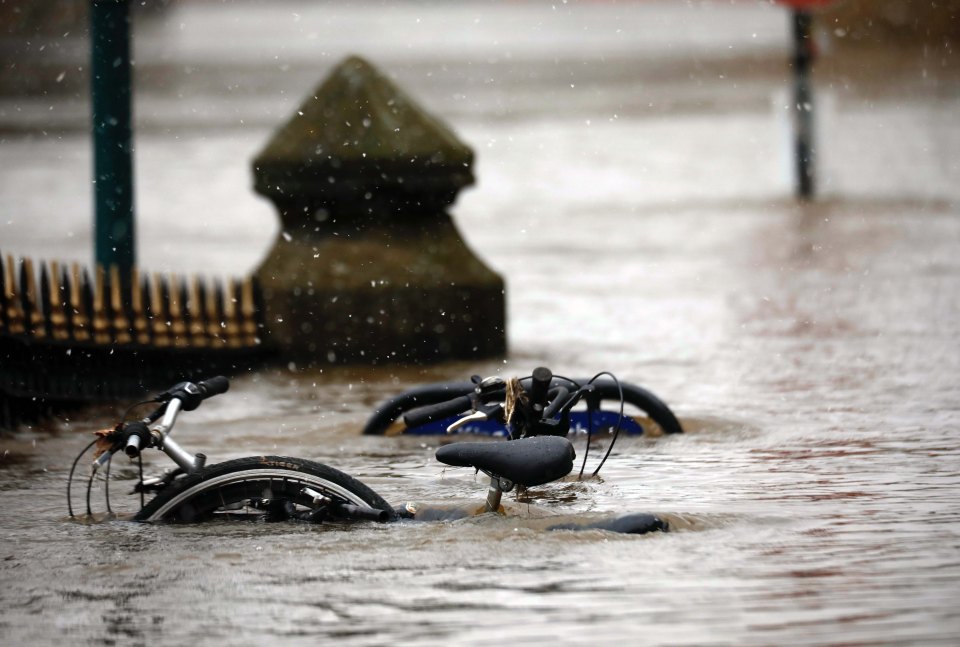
[634,190]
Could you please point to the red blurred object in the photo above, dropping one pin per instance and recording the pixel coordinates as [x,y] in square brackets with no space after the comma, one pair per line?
[807,4]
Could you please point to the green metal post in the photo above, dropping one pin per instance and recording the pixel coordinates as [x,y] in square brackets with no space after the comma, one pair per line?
[112,133]
[803,54]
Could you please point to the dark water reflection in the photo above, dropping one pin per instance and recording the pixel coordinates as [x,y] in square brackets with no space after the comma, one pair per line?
[809,349]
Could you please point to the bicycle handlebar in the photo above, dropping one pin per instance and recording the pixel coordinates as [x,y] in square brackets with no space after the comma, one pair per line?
[558,401]
[191,395]
[183,396]
[545,402]
[432,412]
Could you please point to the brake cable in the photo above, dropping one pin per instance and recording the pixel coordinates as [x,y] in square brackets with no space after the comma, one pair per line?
[140,469]
[106,485]
[586,450]
[616,429]
[76,460]
[89,487]
[72,470]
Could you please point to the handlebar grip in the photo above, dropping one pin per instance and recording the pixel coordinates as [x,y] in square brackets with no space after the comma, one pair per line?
[132,448]
[138,437]
[351,511]
[540,384]
[213,386]
[191,395]
[432,412]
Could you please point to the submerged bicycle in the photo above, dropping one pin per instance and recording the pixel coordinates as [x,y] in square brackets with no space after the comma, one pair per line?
[535,412]
[389,417]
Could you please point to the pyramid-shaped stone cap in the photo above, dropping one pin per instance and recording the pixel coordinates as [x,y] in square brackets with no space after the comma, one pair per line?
[359,133]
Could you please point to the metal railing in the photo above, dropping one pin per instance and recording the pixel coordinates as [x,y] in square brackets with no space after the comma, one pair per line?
[68,335]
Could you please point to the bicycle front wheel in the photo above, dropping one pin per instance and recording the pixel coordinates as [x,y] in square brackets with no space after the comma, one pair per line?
[231,489]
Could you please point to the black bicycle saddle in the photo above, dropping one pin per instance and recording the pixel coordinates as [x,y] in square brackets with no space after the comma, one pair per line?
[527,461]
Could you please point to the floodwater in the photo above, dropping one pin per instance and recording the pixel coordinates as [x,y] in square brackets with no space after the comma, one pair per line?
[633,191]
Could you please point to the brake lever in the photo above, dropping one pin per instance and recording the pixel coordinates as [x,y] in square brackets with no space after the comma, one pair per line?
[477,416]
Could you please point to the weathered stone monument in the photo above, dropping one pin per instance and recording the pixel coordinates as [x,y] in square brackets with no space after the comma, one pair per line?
[368,266]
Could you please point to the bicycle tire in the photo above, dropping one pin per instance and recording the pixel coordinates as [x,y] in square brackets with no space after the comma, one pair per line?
[385,413]
[643,399]
[217,490]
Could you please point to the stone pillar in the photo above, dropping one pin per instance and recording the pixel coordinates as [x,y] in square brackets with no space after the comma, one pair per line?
[368,266]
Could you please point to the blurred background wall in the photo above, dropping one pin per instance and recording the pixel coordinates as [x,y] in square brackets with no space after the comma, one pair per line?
[864,21]
[32,33]
[874,22]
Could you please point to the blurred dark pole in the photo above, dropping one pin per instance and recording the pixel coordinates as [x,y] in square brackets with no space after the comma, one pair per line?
[803,53]
[112,133]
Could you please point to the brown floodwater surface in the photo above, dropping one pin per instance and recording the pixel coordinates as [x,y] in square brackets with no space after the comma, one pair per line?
[810,350]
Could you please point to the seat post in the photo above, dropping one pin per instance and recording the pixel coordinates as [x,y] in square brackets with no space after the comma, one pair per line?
[493,495]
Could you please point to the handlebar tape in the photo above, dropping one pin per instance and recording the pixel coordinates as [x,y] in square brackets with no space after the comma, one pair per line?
[432,412]
[540,384]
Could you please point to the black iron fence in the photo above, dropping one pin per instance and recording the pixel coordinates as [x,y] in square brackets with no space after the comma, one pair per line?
[69,335]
